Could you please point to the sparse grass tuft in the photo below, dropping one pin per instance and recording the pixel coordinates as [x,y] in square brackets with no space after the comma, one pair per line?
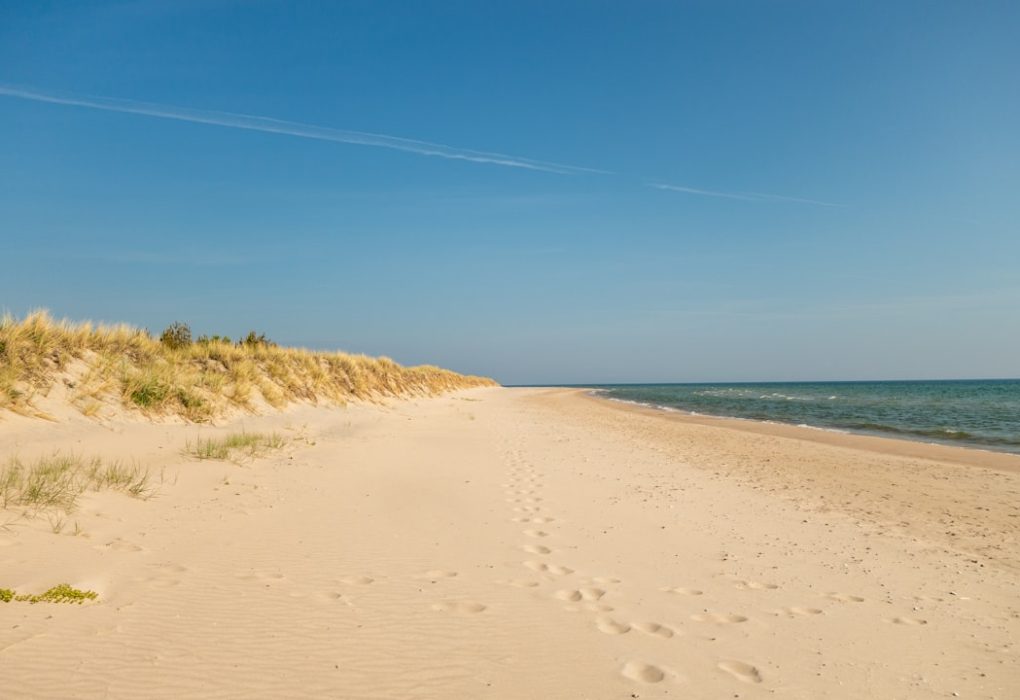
[56,482]
[61,593]
[243,443]
[198,381]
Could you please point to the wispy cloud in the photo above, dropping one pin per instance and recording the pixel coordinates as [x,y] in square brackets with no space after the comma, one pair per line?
[322,133]
[743,196]
[279,126]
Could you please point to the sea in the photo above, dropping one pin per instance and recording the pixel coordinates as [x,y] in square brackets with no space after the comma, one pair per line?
[969,413]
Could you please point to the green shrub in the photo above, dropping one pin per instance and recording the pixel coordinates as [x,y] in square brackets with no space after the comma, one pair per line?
[209,339]
[254,339]
[176,336]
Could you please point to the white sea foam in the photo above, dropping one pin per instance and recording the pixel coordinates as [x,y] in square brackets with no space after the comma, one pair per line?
[827,430]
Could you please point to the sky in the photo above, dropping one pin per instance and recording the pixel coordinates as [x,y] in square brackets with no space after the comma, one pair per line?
[541,192]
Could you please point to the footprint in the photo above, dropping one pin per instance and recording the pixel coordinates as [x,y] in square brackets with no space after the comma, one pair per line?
[170,567]
[908,621]
[554,569]
[436,574]
[589,594]
[642,672]
[459,606]
[796,611]
[106,631]
[679,590]
[523,583]
[845,598]
[654,628]
[609,626]
[357,580]
[570,595]
[536,533]
[755,586]
[718,618]
[120,546]
[741,671]
[542,520]
[166,575]
[536,549]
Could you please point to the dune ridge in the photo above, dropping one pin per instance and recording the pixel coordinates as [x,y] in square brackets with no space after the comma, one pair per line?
[103,368]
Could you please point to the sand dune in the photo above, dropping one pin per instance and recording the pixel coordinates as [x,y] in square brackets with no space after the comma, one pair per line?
[517,543]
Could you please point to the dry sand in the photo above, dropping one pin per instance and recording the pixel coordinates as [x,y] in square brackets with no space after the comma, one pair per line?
[520,543]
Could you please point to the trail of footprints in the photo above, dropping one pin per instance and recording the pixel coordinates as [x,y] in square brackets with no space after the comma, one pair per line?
[522,492]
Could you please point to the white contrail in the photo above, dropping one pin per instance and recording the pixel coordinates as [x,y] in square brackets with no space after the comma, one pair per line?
[322,133]
[278,126]
[743,196]
[706,193]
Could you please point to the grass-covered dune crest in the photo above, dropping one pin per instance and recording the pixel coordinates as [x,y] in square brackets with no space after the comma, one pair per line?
[101,366]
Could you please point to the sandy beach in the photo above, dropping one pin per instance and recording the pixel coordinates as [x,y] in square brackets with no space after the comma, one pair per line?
[517,543]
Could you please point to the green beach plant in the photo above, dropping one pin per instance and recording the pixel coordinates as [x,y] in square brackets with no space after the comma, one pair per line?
[61,593]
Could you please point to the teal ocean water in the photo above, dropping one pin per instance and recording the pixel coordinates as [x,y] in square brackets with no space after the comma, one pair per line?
[973,413]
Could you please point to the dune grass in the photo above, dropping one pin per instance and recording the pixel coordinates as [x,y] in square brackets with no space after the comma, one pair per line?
[61,593]
[56,481]
[127,366]
[243,444]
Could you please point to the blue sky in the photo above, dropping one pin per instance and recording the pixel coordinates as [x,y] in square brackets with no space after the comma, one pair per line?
[682,191]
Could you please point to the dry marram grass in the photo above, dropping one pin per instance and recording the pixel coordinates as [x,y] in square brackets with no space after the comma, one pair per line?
[247,444]
[56,481]
[198,381]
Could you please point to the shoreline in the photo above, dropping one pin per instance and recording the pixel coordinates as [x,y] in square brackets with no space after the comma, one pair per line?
[900,446]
